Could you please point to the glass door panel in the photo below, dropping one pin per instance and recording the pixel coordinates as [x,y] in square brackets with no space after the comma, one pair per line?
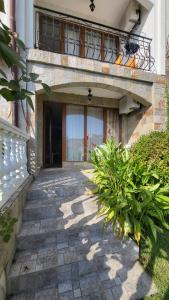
[95,132]
[110,48]
[113,124]
[92,44]
[72,39]
[74,133]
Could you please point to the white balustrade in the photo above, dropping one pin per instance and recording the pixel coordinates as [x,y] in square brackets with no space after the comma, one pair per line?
[13,159]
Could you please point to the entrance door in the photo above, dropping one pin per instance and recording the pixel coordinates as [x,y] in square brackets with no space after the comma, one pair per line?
[52,134]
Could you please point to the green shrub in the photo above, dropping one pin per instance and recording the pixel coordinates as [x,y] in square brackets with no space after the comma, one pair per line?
[131,195]
[153,150]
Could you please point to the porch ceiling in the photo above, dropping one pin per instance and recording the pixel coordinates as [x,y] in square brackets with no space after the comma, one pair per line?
[109,12]
[97,92]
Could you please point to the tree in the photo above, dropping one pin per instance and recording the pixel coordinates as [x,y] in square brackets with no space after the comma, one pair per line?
[12,90]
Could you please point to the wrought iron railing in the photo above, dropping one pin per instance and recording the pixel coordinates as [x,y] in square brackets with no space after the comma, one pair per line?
[61,33]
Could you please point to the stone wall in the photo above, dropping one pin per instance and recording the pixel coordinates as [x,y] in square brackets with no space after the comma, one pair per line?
[15,207]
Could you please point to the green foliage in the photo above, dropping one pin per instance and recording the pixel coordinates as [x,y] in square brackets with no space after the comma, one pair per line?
[12,90]
[167,107]
[153,151]
[2,6]
[155,258]
[131,195]
[6,226]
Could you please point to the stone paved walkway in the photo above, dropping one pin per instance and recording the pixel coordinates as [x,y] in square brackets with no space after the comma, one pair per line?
[63,252]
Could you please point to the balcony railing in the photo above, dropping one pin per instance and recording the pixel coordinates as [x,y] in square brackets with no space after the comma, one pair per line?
[61,33]
[13,159]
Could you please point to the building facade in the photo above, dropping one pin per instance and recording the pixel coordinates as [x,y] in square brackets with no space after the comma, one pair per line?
[106,69]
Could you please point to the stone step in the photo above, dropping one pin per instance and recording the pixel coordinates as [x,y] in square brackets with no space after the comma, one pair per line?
[41,294]
[63,192]
[58,207]
[46,232]
[43,211]
[54,265]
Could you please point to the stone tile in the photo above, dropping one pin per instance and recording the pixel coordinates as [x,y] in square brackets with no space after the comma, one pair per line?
[62,246]
[88,281]
[86,267]
[120,293]
[64,287]
[77,293]
[109,295]
[69,254]
[47,294]
[60,258]
[76,284]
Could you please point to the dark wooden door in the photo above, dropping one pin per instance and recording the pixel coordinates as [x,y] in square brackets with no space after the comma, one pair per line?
[52,142]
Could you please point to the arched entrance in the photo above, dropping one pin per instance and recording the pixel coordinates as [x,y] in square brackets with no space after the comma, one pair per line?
[73,126]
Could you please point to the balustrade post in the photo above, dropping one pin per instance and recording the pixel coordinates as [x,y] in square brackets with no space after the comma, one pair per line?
[6,178]
[13,161]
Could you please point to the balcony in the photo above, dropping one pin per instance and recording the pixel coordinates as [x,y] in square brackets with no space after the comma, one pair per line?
[61,33]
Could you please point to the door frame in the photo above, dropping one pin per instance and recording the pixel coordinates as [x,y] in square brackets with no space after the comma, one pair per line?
[63,133]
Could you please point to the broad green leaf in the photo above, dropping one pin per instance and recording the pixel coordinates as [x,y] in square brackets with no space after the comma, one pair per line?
[14,85]
[152,227]
[2,8]
[29,100]
[153,187]
[38,81]
[137,230]
[9,56]
[26,79]
[4,82]
[4,36]
[27,92]
[3,73]
[127,227]
[20,44]
[20,95]
[46,88]
[162,198]
[110,215]
[103,211]
[7,94]
[164,189]
[5,27]
[33,76]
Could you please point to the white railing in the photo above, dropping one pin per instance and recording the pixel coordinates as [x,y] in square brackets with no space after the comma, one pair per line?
[13,159]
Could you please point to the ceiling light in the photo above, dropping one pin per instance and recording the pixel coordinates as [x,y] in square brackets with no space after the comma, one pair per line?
[90,96]
[92,6]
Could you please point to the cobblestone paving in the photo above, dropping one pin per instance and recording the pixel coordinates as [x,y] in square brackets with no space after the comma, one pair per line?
[63,252]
